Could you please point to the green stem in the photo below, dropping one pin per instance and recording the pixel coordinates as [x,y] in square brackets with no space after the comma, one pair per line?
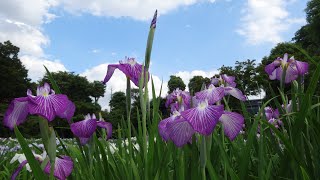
[203,157]
[128,103]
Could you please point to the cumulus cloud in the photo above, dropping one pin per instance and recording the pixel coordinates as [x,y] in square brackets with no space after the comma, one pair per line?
[36,69]
[266,20]
[118,83]
[139,9]
[187,75]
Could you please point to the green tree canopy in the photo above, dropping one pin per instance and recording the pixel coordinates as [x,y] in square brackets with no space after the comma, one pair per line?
[14,76]
[117,108]
[174,83]
[308,35]
[196,82]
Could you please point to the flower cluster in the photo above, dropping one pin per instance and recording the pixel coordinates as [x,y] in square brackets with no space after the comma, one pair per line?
[291,67]
[204,115]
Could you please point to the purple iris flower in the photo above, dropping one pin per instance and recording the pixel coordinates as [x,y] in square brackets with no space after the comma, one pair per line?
[204,117]
[46,104]
[130,67]
[224,79]
[84,129]
[63,166]
[162,126]
[227,82]
[182,97]
[292,67]
[273,116]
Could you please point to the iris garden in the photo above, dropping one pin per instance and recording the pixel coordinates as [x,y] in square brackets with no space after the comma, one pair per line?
[203,138]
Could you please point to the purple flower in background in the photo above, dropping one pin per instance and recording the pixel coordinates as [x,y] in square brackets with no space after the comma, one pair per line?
[46,104]
[212,94]
[224,80]
[129,67]
[292,67]
[232,124]
[84,129]
[227,82]
[273,116]
[204,117]
[182,97]
[62,167]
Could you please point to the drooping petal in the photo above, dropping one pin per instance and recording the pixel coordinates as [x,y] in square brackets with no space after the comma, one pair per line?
[162,127]
[235,93]
[19,168]
[180,131]
[62,168]
[48,106]
[270,68]
[302,67]
[204,117]
[232,124]
[17,112]
[229,80]
[107,126]
[85,128]
[131,69]
[215,81]
[110,71]
[68,112]
[212,94]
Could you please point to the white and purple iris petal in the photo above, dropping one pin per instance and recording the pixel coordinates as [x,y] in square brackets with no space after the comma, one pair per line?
[232,124]
[212,94]
[302,67]
[180,131]
[204,117]
[47,104]
[17,112]
[129,67]
[62,168]
[84,128]
[235,93]
[19,168]
[162,126]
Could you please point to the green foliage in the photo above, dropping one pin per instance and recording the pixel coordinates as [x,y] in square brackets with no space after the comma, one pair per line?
[117,108]
[196,82]
[174,83]
[14,76]
[308,35]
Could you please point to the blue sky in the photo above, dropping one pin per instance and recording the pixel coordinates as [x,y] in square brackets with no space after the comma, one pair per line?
[193,37]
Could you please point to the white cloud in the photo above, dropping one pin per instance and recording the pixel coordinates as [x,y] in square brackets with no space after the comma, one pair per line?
[95,51]
[187,75]
[118,83]
[266,20]
[36,69]
[136,9]
[28,38]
